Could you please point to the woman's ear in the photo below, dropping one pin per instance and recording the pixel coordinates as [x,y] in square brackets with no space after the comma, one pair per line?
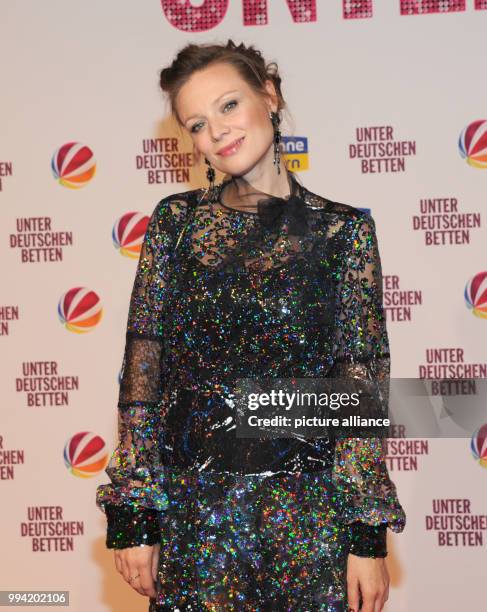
[271,95]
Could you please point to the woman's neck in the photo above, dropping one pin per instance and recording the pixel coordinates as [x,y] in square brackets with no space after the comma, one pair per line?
[264,177]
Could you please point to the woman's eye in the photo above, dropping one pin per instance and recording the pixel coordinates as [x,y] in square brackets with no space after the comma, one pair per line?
[229,103]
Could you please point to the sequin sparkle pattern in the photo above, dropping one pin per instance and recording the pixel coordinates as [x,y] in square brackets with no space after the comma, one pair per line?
[290,291]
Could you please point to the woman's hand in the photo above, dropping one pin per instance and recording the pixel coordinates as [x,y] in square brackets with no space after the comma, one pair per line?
[140,561]
[367,577]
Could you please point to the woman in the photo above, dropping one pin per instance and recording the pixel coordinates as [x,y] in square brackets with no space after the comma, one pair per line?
[254,277]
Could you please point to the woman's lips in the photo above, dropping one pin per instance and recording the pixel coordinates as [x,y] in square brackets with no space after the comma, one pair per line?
[232,148]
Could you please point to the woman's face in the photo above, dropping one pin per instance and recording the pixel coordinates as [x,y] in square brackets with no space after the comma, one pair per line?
[228,121]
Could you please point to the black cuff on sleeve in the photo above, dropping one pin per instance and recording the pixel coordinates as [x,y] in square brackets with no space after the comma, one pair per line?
[130,526]
[368,540]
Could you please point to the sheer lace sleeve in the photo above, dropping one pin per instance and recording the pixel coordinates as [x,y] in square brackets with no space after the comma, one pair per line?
[367,497]
[135,494]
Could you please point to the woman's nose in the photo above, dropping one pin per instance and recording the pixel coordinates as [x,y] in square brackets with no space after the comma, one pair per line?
[217,130]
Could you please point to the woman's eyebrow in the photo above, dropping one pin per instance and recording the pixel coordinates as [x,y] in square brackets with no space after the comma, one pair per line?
[215,102]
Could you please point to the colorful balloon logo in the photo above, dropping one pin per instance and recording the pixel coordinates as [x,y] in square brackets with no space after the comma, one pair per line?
[128,233]
[80,309]
[73,165]
[479,445]
[473,143]
[476,294]
[85,454]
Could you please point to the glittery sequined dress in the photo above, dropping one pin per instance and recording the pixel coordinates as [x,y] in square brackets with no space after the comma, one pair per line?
[254,286]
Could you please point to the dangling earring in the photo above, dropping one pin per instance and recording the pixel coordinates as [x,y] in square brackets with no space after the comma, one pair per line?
[210,175]
[276,120]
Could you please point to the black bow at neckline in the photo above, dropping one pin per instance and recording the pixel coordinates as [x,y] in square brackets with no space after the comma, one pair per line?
[274,211]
